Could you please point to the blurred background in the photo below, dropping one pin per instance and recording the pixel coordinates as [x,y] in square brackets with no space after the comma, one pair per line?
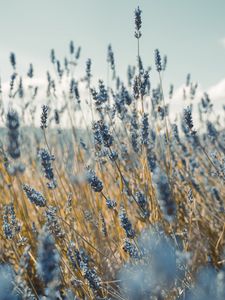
[191,33]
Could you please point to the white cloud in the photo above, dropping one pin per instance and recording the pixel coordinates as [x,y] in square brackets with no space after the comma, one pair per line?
[177,103]
[217,91]
[41,83]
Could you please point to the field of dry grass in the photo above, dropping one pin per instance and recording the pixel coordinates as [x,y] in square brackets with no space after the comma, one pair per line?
[122,204]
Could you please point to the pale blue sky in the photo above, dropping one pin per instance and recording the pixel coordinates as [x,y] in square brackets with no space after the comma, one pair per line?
[188,31]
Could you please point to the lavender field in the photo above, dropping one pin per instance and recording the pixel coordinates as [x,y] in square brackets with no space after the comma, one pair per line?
[107,189]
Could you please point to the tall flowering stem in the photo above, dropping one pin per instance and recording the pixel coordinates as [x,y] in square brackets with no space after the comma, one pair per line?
[137,34]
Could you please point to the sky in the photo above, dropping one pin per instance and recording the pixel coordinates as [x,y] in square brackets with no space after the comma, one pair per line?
[190,32]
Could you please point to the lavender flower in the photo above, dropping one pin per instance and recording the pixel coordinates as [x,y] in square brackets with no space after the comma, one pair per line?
[48,258]
[52,56]
[88,70]
[77,256]
[130,74]
[131,249]
[59,69]
[111,203]
[171,91]
[206,105]
[74,91]
[151,157]
[193,89]
[13,134]
[145,130]
[53,223]
[154,268]
[56,117]
[188,117]
[158,62]
[20,283]
[188,79]
[46,162]
[13,220]
[125,95]
[164,63]
[94,182]
[137,14]
[140,66]
[97,135]
[80,259]
[12,81]
[113,155]
[44,116]
[66,64]
[91,275]
[216,195]
[12,58]
[34,196]
[71,46]
[164,196]
[134,131]
[126,224]
[100,97]
[77,56]
[7,278]
[102,134]
[143,203]
[10,224]
[110,59]
[8,232]
[20,88]
[175,133]
[30,72]
[136,91]
[212,132]
[103,224]
[145,84]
